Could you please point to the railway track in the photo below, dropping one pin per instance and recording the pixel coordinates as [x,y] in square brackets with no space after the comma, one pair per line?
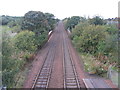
[70,75]
[59,67]
[43,77]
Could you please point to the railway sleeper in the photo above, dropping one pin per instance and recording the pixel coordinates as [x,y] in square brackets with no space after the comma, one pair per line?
[42,80]
[42,77]
[69,69]
[69,72]
[41,86]
[71,86]
[41,83]
[44,74]
[45,69]
[72,78]
[71,81]
[46,65]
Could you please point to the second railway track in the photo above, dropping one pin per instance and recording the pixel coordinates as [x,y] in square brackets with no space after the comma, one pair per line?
[70,75]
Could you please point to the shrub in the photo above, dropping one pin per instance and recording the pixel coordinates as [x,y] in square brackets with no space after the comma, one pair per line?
[25,41]
[41,39]
[89,37]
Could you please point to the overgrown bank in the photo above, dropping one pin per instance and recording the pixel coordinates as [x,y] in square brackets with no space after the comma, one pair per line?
[21,37]
[96,42]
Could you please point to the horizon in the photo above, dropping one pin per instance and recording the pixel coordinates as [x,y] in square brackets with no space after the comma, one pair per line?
[67,17]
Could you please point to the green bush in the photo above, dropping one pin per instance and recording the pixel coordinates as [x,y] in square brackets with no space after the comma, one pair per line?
[89,37]
[112,29]
[10,65]
[10,69]
[25,41]
[41,39]
[77,31]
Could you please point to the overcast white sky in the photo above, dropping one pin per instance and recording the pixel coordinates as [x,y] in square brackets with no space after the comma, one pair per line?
[61,8]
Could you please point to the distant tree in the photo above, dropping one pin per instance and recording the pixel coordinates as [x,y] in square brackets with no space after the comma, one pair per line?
[38,22]
[5,19]
[10,20]
[17,21]
[51,21]
[73,21]
[97,20]
[35,21]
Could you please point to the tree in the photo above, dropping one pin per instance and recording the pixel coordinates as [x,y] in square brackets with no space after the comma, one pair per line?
[71,22]
[97,20]
[35,21]
[51,21]
[6,19]
[38,22]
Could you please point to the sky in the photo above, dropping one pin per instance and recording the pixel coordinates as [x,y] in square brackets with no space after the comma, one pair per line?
[61,8]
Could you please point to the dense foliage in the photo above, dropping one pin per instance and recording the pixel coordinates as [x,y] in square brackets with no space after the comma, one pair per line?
[38,22]
[94,37]
[22,36]
[89,38]
[10,64]
[97,21]
[25,41]
[10,20]
[96,40]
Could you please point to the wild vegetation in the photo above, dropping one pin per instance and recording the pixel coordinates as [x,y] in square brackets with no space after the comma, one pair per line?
[21,37]
[97,43]
[72,22]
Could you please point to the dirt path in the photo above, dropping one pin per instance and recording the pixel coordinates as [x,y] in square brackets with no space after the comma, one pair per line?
[58,50]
